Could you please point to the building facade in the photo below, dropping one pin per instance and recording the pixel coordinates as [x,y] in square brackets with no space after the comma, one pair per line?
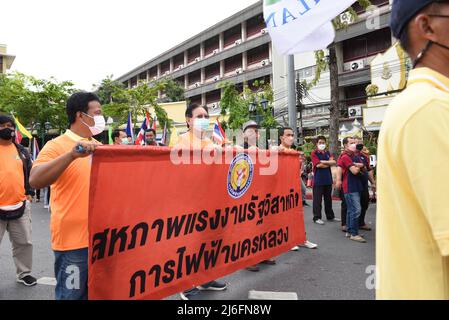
[6,60]
[363,42]
[239,50]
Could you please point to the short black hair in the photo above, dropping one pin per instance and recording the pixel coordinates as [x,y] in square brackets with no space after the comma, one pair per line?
[7,119]
[282,131]
[405,40]
[346,140]
[116,134]
[320,138]
[79,102]
[151,130]
[192,107]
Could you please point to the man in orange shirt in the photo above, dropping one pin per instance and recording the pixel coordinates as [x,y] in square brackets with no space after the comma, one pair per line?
[15,198]
[64,164]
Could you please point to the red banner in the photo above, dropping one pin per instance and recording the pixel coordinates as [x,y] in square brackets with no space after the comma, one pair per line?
[157,227]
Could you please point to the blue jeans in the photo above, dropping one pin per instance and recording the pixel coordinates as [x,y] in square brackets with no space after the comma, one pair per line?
[354,210]
[71,274]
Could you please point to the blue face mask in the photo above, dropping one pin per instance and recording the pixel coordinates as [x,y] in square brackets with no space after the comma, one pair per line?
[201,124]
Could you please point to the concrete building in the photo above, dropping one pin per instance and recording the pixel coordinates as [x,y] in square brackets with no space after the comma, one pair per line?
[357,47]
[237,49]
[6,60]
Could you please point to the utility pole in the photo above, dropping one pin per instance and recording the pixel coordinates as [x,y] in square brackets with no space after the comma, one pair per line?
[300,92]
[292,112]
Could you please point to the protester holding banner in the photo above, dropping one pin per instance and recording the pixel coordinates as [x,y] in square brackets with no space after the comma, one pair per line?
[150,139]
[412,249]
[197,119]
[287,137]
[119,137]
[15,197]
[251,137]
[65,164]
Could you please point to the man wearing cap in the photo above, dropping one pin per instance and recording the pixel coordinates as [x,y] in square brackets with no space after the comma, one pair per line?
[250,134]
[412,251]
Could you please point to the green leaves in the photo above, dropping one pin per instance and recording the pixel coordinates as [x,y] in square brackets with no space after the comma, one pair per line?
[35,100]
[118,101]
[237,105]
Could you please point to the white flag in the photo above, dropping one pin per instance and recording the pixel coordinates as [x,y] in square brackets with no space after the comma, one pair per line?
[302,25]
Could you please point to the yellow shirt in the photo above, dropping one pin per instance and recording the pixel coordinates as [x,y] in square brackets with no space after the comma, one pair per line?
[412,245]
[12,189]
[69,195]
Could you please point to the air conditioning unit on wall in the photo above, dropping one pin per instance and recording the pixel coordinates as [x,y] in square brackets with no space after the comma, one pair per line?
[355,65]
[355,112]
[264,31]
[265,62]
[238,71]
[197,84]
[215,51]
[216,78]
[347,18]
[237,42]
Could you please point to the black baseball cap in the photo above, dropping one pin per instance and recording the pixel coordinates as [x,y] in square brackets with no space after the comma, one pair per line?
[403,11]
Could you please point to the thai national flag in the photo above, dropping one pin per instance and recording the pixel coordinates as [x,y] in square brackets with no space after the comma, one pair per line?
[130,127]
[219,135]
[145,126]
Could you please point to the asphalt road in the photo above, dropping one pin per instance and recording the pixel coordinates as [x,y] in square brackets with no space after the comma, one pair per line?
[337,270]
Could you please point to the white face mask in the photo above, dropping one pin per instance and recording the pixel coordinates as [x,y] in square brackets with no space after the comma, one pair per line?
[352,147]
[201,124]
[321,147]
[100,124]
[289,141]
[125,141]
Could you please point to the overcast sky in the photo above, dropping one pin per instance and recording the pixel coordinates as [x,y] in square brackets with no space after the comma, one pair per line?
[86,40]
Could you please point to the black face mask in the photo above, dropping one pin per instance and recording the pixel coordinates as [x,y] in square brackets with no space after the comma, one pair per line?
[359,147]
[149,142]
[7,134]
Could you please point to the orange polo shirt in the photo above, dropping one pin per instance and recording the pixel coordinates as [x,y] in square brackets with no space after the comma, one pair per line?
[12,189]
[190,141]
[69,195]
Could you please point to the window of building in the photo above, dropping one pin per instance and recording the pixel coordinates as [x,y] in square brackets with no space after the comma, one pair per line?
[367,45]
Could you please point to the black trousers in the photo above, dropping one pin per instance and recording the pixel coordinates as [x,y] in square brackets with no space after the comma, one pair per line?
[344,208]
[320,193]
[364,202]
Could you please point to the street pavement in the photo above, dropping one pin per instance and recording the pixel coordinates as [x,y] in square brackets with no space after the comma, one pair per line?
[337,270]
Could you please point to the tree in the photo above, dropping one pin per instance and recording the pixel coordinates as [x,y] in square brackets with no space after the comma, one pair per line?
[174,91]
[237,105]
[35,100]
[118,101]
[323,63]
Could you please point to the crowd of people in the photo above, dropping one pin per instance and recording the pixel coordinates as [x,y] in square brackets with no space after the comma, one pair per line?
[63,166]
